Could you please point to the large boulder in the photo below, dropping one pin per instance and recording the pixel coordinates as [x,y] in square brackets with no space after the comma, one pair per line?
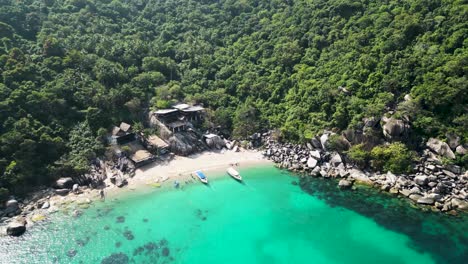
[324,140]
[460,204]
[62,191]
[214,141]
[453,140]
[421,180]
[16,228]
[311,163]
[390,178]
[11,206]
[316,143]
[461,150]
[336,160]
[315,154]
[394,128]
[64,183]
[440,148]
[426,200]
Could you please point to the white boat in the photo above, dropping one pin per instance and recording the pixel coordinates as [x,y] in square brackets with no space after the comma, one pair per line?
[201,176]
[235,174]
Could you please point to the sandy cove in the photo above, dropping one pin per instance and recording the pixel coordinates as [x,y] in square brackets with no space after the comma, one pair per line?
[180,168]
[158,174]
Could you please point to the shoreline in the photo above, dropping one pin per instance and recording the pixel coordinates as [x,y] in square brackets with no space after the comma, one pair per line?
[39,205]
[163,175]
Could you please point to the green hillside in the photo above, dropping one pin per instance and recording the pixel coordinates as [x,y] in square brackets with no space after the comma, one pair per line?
[72,68]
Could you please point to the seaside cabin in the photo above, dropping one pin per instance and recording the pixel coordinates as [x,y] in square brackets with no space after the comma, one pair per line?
[158,145]
[122,134]
[193,113]
[138,154]
[177,126]
[167,115]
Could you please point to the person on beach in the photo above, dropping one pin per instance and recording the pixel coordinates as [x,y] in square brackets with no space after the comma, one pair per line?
[101,193]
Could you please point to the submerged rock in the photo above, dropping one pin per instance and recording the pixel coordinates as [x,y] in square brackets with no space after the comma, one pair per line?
[71,253]
[116,258]
[165,251]
[128,235]
[120,219]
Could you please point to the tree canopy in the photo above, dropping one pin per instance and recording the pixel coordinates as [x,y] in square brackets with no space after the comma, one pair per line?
[297,65]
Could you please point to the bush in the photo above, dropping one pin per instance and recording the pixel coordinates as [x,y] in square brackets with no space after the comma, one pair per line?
[359,155]
[394,157]
[4,193]
[337,143]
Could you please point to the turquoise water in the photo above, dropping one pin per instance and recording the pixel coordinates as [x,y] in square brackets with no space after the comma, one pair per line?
[272,218]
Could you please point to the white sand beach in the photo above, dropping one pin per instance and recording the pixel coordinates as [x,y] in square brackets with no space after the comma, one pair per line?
[181,167]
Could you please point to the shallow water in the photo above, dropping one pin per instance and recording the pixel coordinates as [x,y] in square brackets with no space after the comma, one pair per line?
[268,219]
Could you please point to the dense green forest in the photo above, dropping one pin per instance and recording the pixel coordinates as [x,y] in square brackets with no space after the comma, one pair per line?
[72,68]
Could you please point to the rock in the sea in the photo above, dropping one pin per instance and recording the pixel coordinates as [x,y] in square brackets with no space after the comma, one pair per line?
[460,204]
[440,148]
[421,180]
[415,197]
[16,228]
[426,200]
[405,192]
[62,191]
[64,183]
[311,163]
[345,184]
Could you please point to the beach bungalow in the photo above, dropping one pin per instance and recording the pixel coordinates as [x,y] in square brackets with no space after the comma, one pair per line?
[157,145]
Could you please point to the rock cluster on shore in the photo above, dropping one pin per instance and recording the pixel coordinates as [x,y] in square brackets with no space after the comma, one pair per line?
[443,187]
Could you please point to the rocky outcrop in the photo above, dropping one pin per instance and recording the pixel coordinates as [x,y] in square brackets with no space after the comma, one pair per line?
[186,143]
[215,141]
[443,187]
[394,128]
[440,147]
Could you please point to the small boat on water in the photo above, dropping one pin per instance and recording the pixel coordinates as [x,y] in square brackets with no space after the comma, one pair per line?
[201,176]
[235,174]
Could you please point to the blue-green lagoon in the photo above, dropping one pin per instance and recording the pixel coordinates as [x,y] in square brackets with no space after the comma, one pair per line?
[273,217]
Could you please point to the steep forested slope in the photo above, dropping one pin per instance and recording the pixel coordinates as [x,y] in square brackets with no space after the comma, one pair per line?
[72,68]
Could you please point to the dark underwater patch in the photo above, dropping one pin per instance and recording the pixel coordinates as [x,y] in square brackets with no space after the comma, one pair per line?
[116,258]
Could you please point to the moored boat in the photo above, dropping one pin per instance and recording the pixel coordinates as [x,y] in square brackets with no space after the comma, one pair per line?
[235,174]
[201,176]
